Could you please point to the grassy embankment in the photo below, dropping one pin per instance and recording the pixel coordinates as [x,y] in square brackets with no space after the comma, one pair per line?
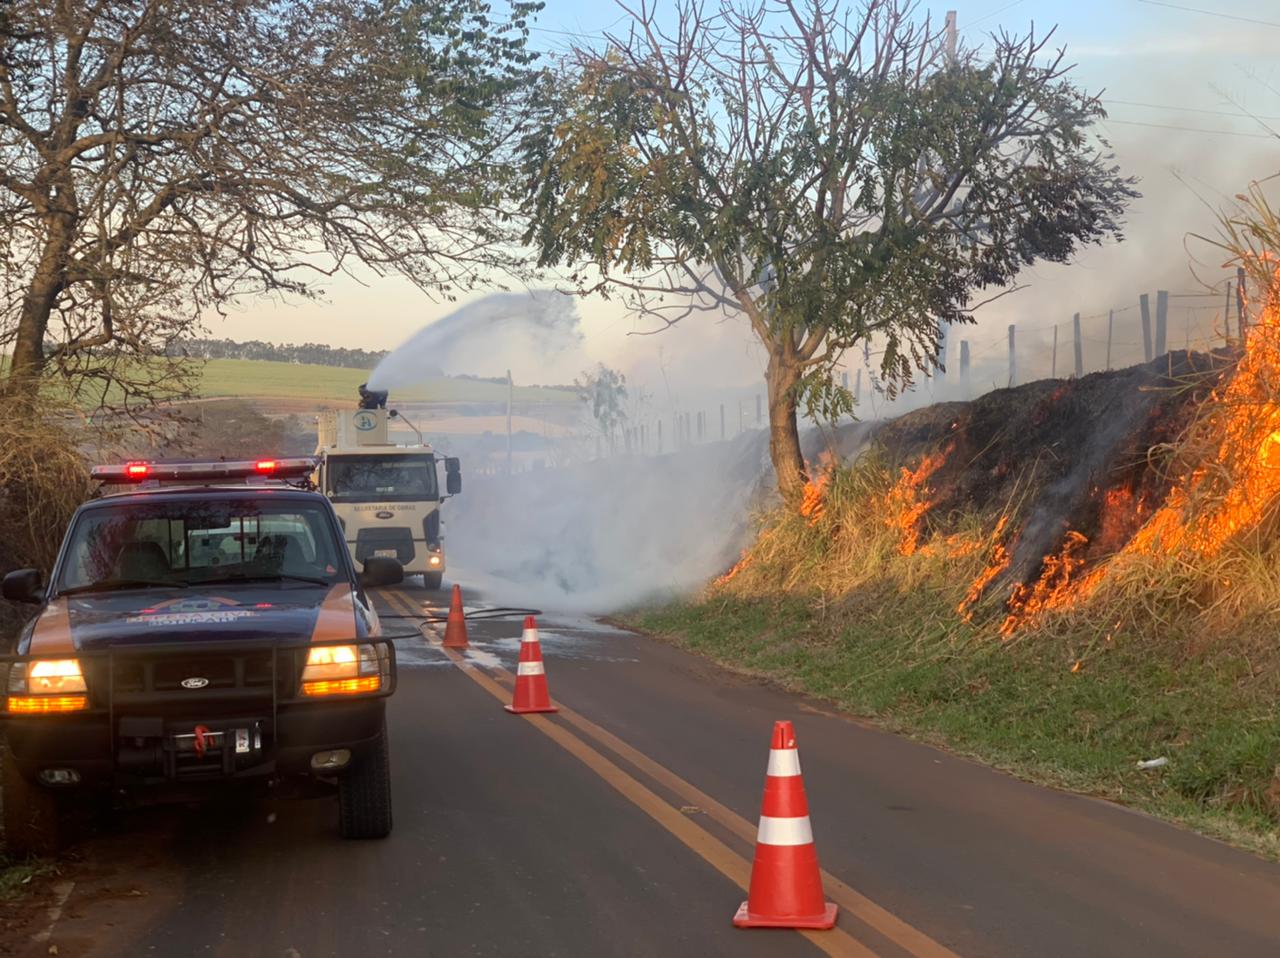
[1149,665]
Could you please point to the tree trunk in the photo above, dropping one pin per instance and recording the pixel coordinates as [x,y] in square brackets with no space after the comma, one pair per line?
[784,435]
[37,305]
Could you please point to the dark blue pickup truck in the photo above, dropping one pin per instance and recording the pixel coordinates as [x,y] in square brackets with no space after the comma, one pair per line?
[203,626]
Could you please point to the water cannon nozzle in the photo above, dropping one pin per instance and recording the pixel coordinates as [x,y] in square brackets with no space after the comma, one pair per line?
[372,398]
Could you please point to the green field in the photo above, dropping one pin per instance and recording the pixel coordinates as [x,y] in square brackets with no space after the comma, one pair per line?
[256,378]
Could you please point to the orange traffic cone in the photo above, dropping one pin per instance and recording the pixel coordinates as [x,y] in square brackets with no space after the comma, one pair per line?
[455,628]
[531,693]
[786,886]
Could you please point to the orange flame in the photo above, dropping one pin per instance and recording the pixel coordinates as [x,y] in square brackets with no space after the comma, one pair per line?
[1241,483]
[814,502]
[908,502]
[743,561]
[1051,590]
[999,562]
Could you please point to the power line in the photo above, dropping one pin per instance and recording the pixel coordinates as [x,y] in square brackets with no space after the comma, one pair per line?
[1191,109]
[1210,13]
[993,13]
[1193,129]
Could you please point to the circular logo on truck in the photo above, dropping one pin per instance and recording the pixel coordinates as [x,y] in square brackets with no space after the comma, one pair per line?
[195,682]
[365,421]
[385,515]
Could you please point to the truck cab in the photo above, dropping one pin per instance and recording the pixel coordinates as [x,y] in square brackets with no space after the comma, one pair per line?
[386,496]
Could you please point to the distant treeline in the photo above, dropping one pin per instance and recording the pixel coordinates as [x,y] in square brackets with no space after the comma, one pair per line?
[311,354]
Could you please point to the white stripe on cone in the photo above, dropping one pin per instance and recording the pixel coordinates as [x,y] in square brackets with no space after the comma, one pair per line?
[530,668]
[529,635]
[784,762]
[784,831]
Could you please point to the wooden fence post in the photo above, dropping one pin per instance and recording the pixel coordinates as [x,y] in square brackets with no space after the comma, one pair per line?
[1013,357]
[1226,316]
[1162,321]
[1242,323]
[1111,325]
[1075,329]
[1144,302]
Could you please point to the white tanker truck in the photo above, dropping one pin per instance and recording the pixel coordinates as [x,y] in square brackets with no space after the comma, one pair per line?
[387,496]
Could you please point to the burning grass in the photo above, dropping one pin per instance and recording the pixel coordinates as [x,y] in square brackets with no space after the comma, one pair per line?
[832,605]
[1062,579]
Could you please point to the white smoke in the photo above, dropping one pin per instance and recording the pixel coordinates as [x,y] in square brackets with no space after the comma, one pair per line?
[609,533]
[536,335]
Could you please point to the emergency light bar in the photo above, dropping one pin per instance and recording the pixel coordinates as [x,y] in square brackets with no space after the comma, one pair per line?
[204,471]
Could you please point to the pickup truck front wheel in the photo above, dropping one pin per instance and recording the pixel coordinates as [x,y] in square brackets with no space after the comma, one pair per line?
[364,793]
[36,820]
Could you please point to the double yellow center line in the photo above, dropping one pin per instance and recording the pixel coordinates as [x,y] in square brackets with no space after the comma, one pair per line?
[734,866]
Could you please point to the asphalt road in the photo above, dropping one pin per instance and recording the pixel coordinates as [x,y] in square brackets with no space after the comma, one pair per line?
[623,826]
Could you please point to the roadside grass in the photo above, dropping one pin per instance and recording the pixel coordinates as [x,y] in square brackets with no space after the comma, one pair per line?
[252,377]
[831,606]
[1019,707]
[17,876]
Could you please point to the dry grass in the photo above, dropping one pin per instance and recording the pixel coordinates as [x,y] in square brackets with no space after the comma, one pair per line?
[43,478]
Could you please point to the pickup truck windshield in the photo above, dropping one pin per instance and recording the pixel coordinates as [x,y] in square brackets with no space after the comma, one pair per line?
[381,478]
[132,545]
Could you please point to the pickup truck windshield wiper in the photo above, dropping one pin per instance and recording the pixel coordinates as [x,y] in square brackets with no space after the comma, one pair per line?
[115,585]
[267,577]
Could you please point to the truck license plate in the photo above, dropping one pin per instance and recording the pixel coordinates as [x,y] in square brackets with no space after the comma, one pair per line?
[386,553]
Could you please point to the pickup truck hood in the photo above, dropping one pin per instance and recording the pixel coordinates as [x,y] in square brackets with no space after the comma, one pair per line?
[272,613]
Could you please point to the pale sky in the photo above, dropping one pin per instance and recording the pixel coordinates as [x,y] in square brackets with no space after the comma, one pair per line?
[1175,83]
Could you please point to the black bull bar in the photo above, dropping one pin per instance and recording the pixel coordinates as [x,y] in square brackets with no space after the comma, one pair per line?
[102,669]
[143,693]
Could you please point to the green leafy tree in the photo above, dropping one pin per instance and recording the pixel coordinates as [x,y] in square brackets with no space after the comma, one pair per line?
[827,172]
[605,392]
[161,158]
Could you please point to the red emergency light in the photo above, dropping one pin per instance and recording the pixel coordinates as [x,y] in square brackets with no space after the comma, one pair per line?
[210,471]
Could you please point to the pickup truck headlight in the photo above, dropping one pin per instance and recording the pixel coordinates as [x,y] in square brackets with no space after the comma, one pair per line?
[46,686]
[342,670]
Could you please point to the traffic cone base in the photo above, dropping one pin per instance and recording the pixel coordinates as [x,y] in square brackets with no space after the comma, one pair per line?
[526,711]
[455,629]
[744,919]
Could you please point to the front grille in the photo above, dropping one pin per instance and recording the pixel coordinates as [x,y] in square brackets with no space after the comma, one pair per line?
[142,679]
[397,542]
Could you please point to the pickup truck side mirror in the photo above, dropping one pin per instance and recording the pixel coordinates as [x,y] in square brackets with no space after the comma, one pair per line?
[22,585]
[381,570]
[452,476]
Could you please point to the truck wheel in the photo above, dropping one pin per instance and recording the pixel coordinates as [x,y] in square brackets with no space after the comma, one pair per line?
[433,580]
[36,820]
[364,794]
